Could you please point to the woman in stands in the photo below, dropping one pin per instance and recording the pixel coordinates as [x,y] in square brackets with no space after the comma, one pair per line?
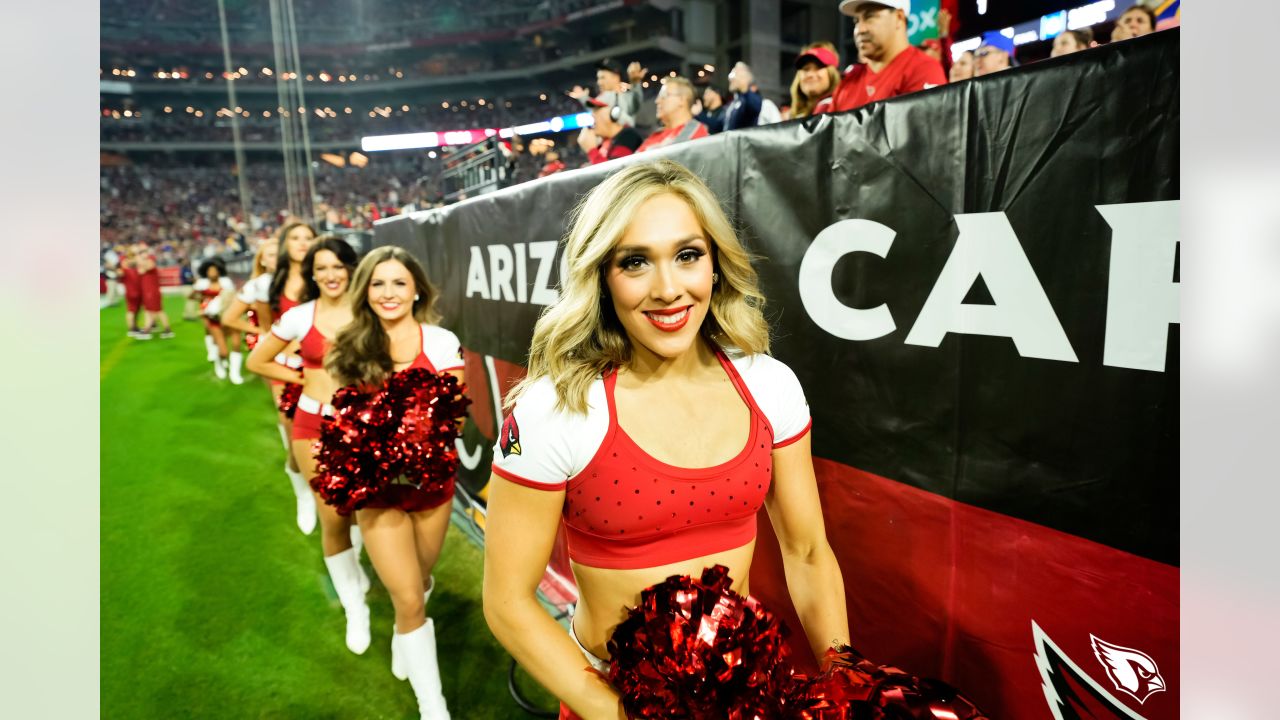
[817,76]
[393,328]
[209,290]
[653,424]
[326,271]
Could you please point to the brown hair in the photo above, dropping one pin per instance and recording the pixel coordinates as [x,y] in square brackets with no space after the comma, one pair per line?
[801,104]
[361,352]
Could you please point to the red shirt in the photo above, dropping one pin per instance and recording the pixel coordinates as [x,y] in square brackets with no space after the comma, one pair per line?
[662,138]
[132,283]
[910,71]
[620,145]
[551,168]
[150,280]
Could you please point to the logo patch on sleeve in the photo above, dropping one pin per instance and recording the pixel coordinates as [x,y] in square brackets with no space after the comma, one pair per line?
[510,441]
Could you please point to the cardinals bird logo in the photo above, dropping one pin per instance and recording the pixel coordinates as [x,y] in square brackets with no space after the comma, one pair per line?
[509,441]
[1071,693]
[1131,671]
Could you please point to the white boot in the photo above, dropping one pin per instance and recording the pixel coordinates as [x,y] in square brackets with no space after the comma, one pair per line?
[357,544]
[237,362]
[211,347]
[397,660]
[306,502]
[419,651]
[220,368]
[343,571]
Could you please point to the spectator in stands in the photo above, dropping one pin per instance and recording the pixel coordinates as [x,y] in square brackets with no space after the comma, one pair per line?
[609,138]
[712,111]
[1070,41]
[644,116]
[890,65]
[553,164]
[994,54]
[609,80]
[744,111]
[816,79]
[1135,22]
[962,68]
[675,112]
[932,47]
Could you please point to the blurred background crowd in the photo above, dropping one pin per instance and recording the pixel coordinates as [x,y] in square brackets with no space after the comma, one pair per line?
[542,86]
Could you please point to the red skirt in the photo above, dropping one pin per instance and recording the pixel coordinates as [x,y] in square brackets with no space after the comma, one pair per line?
[409,498]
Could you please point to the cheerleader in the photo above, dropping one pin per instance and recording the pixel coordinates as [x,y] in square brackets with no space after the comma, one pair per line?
[209,289]
[392,329]
[654,425]
[326,270]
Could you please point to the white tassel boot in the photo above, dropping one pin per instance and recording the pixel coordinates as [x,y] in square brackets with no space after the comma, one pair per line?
[343,570]
[419,651]
[211,348]
[237,362]
[306,502]
[220,368]
[397,660]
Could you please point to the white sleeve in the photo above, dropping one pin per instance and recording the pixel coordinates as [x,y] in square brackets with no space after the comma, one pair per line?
[778,393]
[295,323]
[252,290]
[442,348]
[201,284]
[542,447]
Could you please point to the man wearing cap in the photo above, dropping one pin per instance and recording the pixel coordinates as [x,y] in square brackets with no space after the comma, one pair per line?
[609,80]
[993,55]
[608,138]
[675,112]
[890,65]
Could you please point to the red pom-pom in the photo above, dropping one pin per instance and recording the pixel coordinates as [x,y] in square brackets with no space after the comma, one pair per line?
[403,430]
[854,688]
[696,650]
[288,401]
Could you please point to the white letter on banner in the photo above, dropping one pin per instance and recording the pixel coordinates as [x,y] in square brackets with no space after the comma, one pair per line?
[476,282]
[988,247]
[500,266]
[545,252]
[522,274]
[1142,298]
[816,267]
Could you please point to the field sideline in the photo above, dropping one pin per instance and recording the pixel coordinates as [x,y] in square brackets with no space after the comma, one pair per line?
[213,604]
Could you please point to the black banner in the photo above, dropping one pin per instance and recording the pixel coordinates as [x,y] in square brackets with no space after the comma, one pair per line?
[1027,155]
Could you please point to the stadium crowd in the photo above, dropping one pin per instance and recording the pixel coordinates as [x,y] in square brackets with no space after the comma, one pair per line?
[191,212]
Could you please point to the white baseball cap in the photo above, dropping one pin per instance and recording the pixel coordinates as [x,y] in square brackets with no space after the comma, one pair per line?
[849,7]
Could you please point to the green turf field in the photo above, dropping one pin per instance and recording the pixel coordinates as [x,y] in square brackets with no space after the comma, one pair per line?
[214,605]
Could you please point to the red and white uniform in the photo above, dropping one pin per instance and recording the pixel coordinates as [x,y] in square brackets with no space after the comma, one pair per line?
[912,70]
[211,298]
[623,508]
[299,323]
[441,352]
[290,360]
[254,290]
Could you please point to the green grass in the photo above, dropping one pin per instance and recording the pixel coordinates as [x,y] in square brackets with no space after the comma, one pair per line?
[213,604]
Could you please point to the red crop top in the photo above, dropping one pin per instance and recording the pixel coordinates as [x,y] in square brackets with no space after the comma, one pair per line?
[441,350]
[624,508]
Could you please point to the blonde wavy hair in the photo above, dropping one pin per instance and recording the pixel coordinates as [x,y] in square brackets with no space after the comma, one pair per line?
[361,351]
[578,337]
[801,104]
[259,268]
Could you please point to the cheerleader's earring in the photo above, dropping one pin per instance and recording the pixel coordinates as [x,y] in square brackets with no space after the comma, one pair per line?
[415,297]
[715,278]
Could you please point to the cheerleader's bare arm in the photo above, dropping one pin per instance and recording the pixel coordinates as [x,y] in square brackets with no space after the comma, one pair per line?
[520,532]
[813,576]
